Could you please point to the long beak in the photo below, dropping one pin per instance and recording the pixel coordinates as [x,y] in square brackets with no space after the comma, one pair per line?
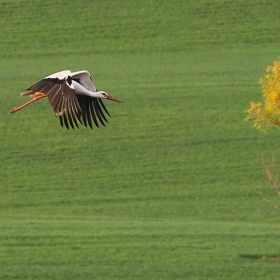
[113,99]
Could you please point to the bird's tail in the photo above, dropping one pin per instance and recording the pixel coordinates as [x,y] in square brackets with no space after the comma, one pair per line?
[31,93]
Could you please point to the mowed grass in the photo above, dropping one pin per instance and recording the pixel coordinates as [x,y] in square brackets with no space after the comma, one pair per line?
[89,248]
[168,189]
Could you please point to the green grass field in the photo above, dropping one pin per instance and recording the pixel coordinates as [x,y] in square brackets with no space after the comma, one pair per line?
[168,190]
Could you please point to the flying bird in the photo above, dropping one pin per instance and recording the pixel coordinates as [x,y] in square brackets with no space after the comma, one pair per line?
[73,97]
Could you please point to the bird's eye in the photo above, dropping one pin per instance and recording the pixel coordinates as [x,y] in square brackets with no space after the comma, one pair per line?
[104,94]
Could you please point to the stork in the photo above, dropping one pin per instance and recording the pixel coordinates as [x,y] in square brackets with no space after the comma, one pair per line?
[72,96]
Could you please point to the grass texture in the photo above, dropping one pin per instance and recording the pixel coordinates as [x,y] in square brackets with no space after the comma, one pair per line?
[169,189]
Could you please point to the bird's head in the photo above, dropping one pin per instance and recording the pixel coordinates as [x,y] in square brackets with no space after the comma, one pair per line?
[104,95]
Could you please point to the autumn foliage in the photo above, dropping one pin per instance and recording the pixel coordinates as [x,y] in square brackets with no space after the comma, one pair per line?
[264,115]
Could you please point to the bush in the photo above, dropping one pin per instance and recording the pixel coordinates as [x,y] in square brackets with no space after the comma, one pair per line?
[264,115]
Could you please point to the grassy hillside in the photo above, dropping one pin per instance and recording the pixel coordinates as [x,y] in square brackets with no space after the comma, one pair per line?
[37,28]
[168,189]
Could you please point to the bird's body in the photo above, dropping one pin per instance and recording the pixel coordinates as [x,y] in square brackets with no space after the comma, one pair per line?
[72,96]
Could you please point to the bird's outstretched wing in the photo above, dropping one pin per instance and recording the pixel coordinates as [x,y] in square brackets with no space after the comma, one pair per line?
[60,91]
[84,78]
[92,109]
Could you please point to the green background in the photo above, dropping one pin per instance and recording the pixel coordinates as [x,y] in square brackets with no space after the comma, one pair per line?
[170,188]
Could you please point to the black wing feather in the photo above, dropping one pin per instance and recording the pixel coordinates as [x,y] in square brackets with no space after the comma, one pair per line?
[93,114]
[91,110]
[69,110]
[100,111]
[103,106]
[97,111]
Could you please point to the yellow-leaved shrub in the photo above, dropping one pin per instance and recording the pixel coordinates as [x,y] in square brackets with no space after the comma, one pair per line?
[264,115]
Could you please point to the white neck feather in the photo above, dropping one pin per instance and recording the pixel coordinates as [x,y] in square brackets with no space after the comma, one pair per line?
[79,89]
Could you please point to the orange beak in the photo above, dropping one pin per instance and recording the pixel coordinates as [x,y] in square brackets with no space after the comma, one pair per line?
[113,99]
